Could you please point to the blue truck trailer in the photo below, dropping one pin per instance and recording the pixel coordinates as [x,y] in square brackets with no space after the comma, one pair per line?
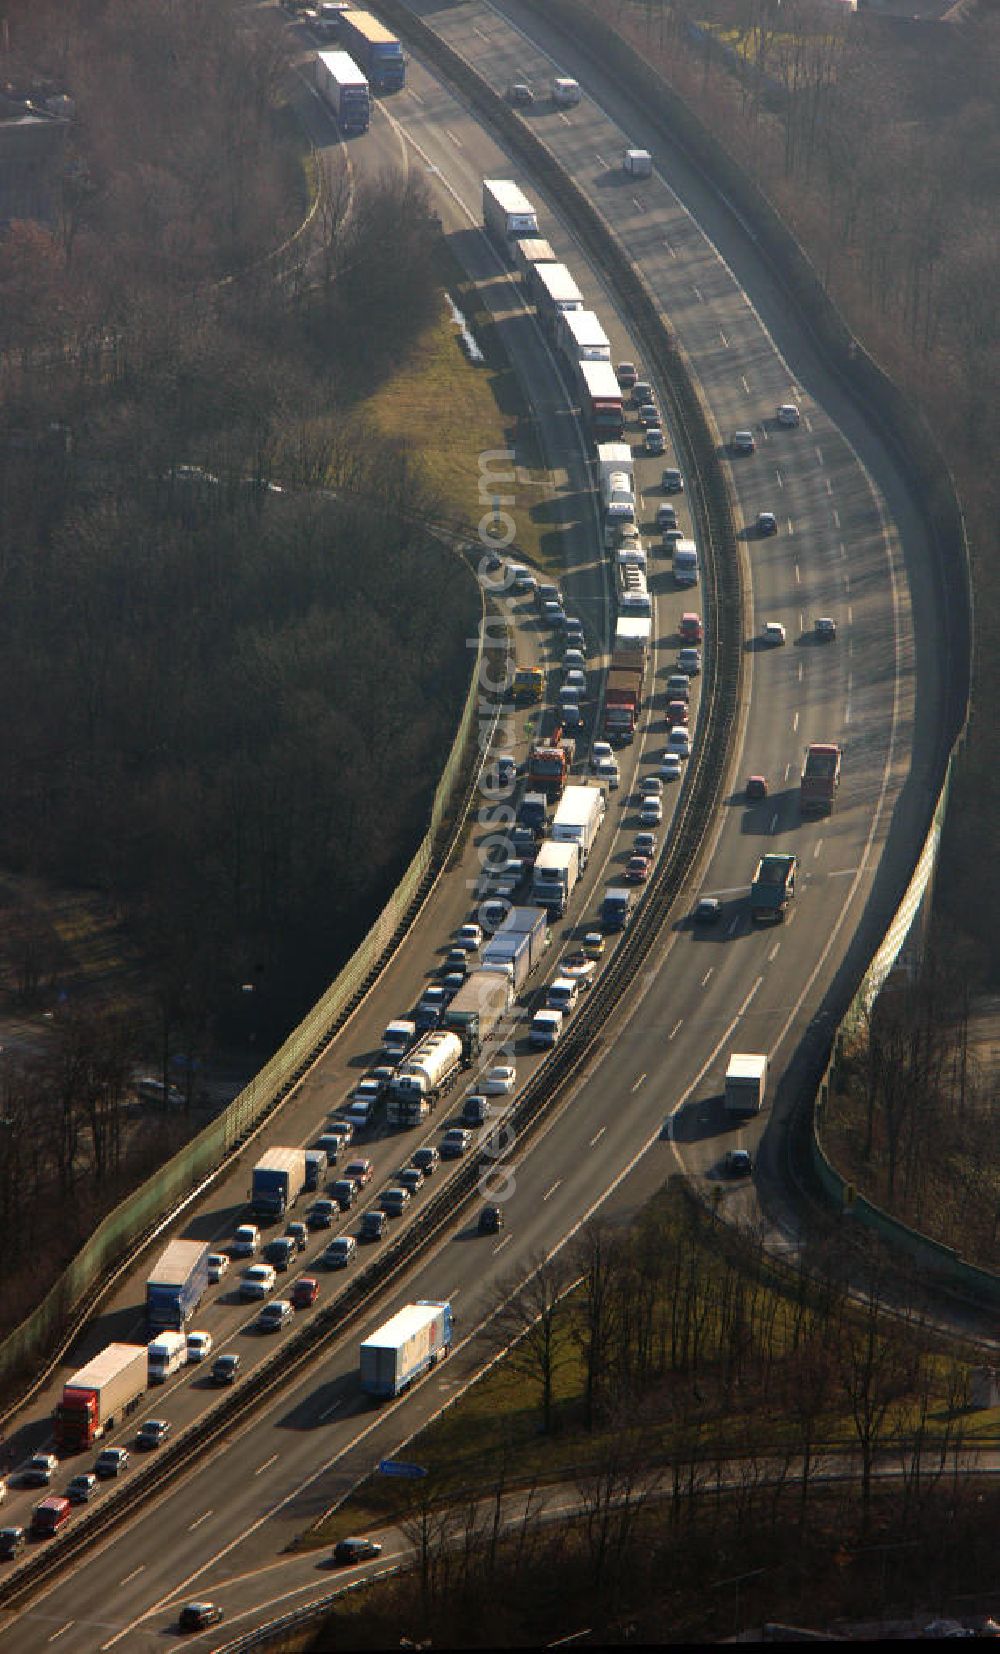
[176,1285]
[413,1341]
[279,1177]
[374,49]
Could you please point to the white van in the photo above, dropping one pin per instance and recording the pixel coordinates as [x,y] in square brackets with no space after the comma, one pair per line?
[562,995]
[167,1352]
[637,163]
[398,1038]
[565,92]
[546,1027]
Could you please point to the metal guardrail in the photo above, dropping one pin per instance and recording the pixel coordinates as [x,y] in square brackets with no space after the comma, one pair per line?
[700,796]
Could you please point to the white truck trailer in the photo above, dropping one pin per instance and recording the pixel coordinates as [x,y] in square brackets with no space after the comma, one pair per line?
[555,291]
[507,213]
[746,1083]
[616,481]
[416,1338]
[556,870]
[483,999]
[578,819]
[632,633]
[421,1077]
[344,90]
[581,338]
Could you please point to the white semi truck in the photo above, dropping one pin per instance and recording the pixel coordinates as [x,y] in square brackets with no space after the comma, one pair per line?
[556,871]
[416,1338]
[507,213]
[578,819]
[746,1083]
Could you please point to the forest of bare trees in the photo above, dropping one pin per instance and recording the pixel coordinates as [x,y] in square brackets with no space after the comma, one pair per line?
[232,652]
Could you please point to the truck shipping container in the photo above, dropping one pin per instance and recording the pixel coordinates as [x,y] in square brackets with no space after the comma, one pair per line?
[508,215]
[528,252]
[176,1285]
[623,694]
[374,48]
[278,1179]
[344,90]
[99,1396]
[165,1354]
[555,291]
[600,398]
[746,1082]
[518,945]
[820,779]
[581,338]
[633,633]
[415,1339]
[554,876]
[773,887]
[482,1001]
[578,819]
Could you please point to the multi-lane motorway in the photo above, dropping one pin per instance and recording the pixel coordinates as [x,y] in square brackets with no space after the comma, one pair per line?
[847,546]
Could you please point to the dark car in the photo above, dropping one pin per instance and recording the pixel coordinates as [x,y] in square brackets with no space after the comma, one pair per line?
[520,95]
[756,787]
[12,1542]
[738,1163]
[426,1159]
[280,1251]
[197,1616]
[491,1220]
[355,1550]
[767,523]
[708,911]
[372,1225]
[152,1432]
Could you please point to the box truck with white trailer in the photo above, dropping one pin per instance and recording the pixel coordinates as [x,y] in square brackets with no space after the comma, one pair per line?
[746,1083]
[415,1339]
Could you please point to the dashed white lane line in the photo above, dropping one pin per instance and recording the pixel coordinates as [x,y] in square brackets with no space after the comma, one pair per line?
[743,381]
[61,1629]
[774,822]
[734,927]
[795,721]
[772,956]
[675,1029]
[133,1575]
[266,1465]
[788,771]
[850,614]
[697,293]
[817,847]
[455,140]
[639,1082]
[199,1520]
[602,162]
[836,517]
[638,204]
[670,249]
[505,1242]
[819,453]
[553,1189]
[481,33]
[725,341]
[800,671]
[802,624]
[597,1136]
[335,1408]
[706,976]
[798,576]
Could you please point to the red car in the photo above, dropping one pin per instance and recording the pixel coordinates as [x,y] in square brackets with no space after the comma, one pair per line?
[677,713]
[637,869]
[305,1292]
[691,629]
[756,787]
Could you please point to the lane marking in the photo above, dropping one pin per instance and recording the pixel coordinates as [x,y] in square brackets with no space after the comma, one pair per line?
[267,1462]
[597,1136]
[743,379]
[843,549]
[601,161]
[553,1188]
[61,1629]
[850,614]
[199,1520]
[807,422]
[675,1028]
[802,624]
[505,1242]
[800,671]
[836,517]
[669,248]
[725,341]
[829,485]
[638,1082]
[697,293]
[817,848]
[795,721]
[334,1408]
[774,822]
[798,576]
[637,204]
[778,479]
[455,140]
[133,1575]
[847,582]
[788,771]
[734,927]
[772,956]
[789,526]
[707,975]
[819,453]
